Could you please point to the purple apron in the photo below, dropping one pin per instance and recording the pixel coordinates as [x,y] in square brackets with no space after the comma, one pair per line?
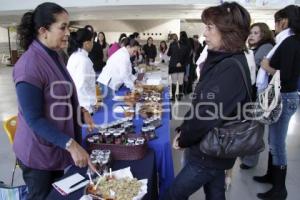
[37,68]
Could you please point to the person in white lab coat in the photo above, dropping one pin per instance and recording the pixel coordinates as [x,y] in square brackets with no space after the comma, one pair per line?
[118,70]
[81,69]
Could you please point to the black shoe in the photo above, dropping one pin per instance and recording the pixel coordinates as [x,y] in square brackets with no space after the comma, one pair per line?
[243,166]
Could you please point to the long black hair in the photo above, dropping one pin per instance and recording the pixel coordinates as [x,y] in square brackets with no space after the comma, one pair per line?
[77,39]
[104,39]
[292,13]
[43,16]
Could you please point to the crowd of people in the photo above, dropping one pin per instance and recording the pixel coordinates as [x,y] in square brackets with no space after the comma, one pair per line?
[48,138]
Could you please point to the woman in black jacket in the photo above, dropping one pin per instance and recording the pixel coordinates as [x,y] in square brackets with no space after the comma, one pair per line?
[219,94]
[178,52]
[149,51]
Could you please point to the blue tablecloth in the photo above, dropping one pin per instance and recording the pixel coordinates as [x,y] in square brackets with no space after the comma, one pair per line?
[161,145]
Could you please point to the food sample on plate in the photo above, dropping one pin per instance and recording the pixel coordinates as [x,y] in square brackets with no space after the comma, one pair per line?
[115,189]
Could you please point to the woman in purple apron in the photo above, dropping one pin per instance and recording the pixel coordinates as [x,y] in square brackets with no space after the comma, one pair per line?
[48,134]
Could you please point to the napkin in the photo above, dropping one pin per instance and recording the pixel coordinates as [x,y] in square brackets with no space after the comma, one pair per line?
[63,186]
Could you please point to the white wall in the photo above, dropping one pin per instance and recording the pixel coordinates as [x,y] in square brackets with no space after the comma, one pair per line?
[193,28]
[3,35]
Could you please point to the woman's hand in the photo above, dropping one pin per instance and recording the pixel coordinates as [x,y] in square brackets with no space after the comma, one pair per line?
[175,142]
[80,157]
[88,120]
[265,64]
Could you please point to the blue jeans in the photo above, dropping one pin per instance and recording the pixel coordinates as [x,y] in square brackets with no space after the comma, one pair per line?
[278,130]
[192,177]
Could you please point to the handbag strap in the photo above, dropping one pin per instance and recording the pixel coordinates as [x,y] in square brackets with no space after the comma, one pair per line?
[249,90]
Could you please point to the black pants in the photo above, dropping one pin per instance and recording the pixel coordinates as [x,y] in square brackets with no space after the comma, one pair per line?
[39,182]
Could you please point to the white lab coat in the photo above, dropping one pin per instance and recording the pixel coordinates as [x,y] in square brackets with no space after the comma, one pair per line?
[117,71]
[81,70]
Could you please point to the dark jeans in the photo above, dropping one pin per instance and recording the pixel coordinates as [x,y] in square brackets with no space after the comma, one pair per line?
[39,182]
[192,177]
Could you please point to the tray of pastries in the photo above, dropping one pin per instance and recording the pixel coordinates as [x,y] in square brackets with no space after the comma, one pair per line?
[152,88]
[150,109]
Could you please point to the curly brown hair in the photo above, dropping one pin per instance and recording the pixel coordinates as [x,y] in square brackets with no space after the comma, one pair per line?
[232,21]
[265,33]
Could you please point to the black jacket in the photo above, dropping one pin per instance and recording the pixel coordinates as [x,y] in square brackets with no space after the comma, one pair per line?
[96,56]
[287,59]
[150,51]
[221,84]
[178,53]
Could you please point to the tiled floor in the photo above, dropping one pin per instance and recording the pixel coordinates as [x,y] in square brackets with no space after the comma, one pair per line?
[242,185]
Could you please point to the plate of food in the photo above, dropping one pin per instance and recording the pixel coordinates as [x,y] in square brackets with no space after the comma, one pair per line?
[118,185]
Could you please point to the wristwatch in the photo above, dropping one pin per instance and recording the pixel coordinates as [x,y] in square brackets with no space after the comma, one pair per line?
[68,144]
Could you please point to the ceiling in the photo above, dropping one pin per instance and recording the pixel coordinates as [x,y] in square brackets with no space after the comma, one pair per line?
[133,12]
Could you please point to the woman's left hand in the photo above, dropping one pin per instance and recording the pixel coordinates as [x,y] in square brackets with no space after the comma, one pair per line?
[175,142]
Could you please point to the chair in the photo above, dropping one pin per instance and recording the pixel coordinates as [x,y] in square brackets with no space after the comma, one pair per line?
[10,126]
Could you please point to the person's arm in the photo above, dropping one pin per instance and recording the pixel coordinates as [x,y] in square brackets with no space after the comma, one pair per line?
[284,59]
[261,52]
[125,72]
[31,103]
[265,64]
[221,94]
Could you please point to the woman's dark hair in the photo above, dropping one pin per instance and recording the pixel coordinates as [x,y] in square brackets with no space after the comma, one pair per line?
[149,38]
[161,48]
[265,32]
[104,39]
[191,43]
[292,13]
[183,39]
[43,16]
[232,21]
[122,36]
[134,35]
[131,42]
[89,27]
[77,39]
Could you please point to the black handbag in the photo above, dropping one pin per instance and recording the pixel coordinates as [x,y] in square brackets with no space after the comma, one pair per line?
[235,138]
